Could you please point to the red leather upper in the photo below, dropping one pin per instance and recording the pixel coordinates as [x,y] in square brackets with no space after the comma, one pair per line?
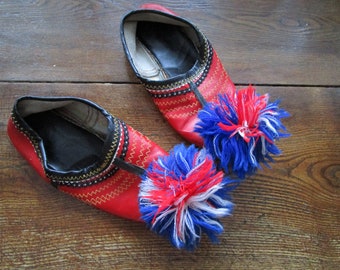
[25,147]
[153,6]
[118,194]
[181,110]
[175,98]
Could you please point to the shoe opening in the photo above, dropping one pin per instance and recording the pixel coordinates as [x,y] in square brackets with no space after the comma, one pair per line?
[161,48]
[72,133]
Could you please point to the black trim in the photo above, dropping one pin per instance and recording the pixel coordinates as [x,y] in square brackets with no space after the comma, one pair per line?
[197,93]
[170,93]
[129,167]
[77,178]
[201,40]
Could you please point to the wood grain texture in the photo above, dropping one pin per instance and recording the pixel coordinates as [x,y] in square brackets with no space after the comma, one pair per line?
[79,40]
[286,217]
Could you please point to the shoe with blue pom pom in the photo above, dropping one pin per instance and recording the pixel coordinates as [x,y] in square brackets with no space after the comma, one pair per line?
[180,69]
[83,150]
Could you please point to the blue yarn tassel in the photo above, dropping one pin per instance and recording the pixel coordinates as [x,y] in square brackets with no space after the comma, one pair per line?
[240,131]
[183,195]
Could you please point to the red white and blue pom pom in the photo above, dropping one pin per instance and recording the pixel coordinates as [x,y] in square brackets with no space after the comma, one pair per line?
[240,130]
[183,195]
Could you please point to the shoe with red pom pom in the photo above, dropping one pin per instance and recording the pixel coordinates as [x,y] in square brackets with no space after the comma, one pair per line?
[180,69]
[83,150]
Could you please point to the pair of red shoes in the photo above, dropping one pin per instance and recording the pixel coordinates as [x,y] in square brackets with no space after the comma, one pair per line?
[82,150]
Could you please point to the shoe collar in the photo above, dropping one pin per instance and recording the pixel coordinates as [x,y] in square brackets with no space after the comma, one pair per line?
[128,30]
[109,128]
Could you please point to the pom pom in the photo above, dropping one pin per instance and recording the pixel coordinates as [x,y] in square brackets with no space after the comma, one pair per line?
[240,130]
[183,195]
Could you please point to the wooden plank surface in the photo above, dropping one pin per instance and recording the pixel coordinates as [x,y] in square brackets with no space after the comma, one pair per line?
[286,217]
[79,40]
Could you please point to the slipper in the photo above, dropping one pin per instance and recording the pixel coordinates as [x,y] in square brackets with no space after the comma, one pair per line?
[83,150]
[182,72]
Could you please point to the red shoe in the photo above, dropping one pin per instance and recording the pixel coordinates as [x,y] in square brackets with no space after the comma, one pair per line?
[82,150]
[186,79]
[176,63]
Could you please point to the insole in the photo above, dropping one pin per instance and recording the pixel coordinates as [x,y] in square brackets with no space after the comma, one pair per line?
[174,51]
[67,146]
